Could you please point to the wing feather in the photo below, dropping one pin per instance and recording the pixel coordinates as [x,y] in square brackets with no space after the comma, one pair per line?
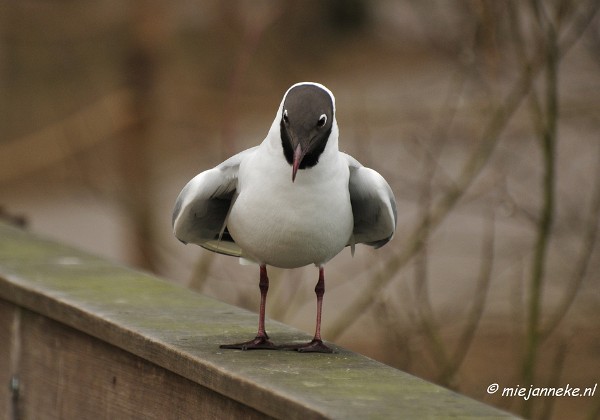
[202,207]
[373,206]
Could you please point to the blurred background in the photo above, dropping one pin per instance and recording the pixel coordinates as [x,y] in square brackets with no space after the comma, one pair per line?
[484,116]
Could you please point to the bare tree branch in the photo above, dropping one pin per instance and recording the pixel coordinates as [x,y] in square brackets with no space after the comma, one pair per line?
[548,145]
[473,166]
[587,246]
[479,299]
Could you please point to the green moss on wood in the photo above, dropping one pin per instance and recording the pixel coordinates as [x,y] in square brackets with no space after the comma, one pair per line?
[180,330]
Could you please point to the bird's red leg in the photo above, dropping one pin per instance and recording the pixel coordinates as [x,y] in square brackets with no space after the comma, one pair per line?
[261,341]
[316,345]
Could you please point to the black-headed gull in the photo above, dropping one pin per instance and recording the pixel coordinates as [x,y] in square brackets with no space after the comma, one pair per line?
[293,200]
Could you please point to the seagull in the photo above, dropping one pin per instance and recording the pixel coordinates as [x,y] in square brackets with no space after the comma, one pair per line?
[292,201]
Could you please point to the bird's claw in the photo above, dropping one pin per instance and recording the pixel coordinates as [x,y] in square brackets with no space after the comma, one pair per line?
[315,346]
[258,343]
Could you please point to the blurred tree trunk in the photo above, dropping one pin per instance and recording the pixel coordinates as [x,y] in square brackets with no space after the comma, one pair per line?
[141,66]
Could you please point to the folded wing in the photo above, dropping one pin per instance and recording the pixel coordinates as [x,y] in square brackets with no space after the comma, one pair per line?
[201,210]
[373,206]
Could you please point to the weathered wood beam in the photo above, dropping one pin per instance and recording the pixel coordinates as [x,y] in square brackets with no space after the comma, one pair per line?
[80,334]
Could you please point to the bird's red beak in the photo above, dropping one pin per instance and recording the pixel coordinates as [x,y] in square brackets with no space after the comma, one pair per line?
[298,155]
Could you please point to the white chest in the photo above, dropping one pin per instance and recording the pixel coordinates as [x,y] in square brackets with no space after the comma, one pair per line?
[291,224]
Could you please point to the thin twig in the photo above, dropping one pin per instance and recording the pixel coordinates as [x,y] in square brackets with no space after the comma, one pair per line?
[546,219]
[479,299]
[587,247]
[424,308]
[554,381]
[201,271]
[254,31]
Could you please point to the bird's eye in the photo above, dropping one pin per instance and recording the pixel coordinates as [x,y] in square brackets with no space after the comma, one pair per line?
[322,120]
[285,116]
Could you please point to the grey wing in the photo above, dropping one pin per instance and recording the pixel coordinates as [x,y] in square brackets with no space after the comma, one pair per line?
[201,210]
[373,206]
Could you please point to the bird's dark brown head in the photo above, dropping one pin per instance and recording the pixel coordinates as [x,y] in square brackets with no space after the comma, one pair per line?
[306,123]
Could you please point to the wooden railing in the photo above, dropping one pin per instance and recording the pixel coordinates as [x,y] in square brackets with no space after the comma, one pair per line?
[83,338]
